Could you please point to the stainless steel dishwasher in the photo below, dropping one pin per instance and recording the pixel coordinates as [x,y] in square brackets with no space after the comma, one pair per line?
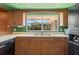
[7,47]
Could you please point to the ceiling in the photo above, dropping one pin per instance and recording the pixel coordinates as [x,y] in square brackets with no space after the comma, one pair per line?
[75,7]
[11,6]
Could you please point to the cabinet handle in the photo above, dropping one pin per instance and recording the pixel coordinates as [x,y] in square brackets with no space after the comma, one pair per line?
[2,46]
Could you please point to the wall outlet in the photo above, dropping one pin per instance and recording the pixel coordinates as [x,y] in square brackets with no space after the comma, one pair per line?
[14,29]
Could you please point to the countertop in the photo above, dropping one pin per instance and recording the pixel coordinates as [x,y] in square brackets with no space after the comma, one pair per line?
[8,37]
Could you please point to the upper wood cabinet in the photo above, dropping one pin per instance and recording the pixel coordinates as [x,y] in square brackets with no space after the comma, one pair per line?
[15,17]
[3,21]
[18,17]
[65,17]
[11,18]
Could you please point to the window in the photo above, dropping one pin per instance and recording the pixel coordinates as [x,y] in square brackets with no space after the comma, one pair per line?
[42,21]
[46,25]
[34,24]
[38,24]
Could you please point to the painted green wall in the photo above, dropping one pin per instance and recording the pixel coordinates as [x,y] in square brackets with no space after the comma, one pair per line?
[20,29]
[37,5]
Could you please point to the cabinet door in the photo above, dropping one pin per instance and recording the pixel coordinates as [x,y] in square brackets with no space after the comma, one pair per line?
[53,48]
[25,47]
[3,22]
[39,46]
[18,15]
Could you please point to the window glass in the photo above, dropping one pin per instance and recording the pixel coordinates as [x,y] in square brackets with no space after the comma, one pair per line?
[34,24]
[38,24]
[46,25]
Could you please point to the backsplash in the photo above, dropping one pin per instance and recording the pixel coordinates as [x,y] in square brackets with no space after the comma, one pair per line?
[19,29]
[62,28]
[23,29]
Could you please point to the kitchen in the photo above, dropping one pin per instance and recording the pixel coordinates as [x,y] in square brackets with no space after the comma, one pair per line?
[39,29]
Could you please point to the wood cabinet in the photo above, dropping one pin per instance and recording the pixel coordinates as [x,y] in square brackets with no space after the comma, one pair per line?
[3,22]
[6,19]
[53,48]
[18,17]
[15,17]
[11,19]
[40,46]
[28,48]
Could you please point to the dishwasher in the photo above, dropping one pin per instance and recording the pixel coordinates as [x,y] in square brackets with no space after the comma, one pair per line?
[7,47]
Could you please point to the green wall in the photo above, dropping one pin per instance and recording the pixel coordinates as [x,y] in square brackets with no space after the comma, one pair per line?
[11,6]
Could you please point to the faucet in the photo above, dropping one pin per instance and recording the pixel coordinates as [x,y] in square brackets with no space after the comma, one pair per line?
[42,34]
[47,34]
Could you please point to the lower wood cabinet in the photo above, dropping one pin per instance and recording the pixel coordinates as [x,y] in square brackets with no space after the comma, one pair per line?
[53,48]
[40,46]
[28,48]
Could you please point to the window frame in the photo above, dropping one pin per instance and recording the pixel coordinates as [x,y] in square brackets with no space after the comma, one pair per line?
[42,28]
[25,19]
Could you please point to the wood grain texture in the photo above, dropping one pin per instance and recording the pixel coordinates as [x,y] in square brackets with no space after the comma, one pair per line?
[3,21]
[41,46]
[9,18]
[18,15]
